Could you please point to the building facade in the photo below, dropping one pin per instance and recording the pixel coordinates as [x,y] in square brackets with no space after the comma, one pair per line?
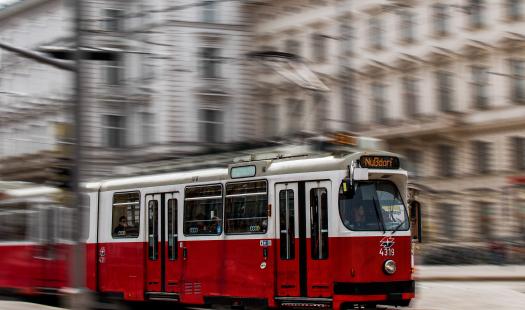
[160,80]
[441,82]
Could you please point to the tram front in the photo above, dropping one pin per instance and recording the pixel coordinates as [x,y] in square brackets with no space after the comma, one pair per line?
[374,263]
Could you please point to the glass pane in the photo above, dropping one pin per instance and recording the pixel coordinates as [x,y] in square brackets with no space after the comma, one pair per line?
[153,229]
[126,215]
[172,229]
[319,223]
[374,206]
[203,210]
[246,207]
[287,224]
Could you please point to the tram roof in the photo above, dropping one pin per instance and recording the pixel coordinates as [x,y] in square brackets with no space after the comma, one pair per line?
[15,189]
[274,166]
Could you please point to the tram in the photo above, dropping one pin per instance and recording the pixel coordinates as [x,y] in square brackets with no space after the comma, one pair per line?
[323,230]
[35,239]
[277,229]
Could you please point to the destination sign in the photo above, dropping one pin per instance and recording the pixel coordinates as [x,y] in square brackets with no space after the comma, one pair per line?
[379,162]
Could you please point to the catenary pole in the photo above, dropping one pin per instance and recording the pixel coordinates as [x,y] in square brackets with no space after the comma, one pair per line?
[78,263]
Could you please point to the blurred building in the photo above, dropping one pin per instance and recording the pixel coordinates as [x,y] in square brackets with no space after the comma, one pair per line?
[161,80]
[34,97]
[442,82]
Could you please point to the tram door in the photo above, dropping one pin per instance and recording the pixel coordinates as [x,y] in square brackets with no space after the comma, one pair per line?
[162,274]
[302,230]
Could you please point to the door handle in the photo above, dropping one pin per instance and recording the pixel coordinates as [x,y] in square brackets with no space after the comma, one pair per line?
[184,253]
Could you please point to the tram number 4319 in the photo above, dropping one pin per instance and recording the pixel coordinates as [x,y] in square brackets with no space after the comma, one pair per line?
[386,252]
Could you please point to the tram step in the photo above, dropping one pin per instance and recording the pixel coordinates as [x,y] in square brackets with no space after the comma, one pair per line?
[304,302]
[162,296]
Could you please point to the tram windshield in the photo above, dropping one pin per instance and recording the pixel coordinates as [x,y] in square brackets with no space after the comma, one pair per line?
[375,205]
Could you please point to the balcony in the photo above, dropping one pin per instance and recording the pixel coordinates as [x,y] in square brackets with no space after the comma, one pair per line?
[422,126]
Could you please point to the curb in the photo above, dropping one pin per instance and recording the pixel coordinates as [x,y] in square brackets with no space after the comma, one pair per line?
[470,278]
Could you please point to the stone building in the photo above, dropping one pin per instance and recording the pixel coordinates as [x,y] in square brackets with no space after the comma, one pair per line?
[442,82]
[161,81]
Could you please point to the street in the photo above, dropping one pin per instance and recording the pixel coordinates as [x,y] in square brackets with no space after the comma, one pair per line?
[430,296]
[470,295]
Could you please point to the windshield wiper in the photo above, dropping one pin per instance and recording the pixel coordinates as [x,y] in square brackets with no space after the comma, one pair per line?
[379,215]
[397,227]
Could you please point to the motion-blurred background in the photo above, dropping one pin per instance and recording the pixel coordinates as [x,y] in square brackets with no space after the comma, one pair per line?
[441,82]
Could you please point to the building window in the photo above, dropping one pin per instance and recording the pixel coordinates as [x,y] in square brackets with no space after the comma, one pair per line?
[407,26]
[410,96]
[481,156]
[444,90]
[378,102]
[212,125]
[446,159]
[514,9]
[448,220]
[210,63]
[209,11]
[479,86]
[376,33]
[126,215]
[148,127]
[484,210]
[292,47]
[203,210]
[477,14]
[114,72]
[319,111]
[518,144]
[319,47]
[440,19]
[414,159]
[115,131]
[246,208]
[347,36]
[295,115]
[517,74]
[270,119]
[113,20]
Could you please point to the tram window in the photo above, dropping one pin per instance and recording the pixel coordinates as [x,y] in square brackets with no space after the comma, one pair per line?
[319,223]
[13,225]
[153,229]
[126,215]
[246,209]
[203,210]
[287,224]
[66,224]
[374,206]
[172,229]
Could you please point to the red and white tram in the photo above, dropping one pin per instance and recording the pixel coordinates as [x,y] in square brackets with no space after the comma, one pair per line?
[35,239]
[325,230]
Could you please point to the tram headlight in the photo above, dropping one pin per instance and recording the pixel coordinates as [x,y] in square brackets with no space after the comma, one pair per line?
[390,267]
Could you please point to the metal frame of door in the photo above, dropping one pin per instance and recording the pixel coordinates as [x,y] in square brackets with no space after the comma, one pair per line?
[292,277]
[162,240]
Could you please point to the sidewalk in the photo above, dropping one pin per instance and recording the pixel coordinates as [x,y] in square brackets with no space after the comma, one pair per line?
[470,273]
[20,305]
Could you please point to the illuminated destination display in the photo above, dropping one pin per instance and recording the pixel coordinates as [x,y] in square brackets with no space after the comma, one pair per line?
[379,162]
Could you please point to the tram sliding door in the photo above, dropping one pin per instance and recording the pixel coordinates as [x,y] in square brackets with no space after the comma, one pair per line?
[288,282]
[162,274]
[302,230]
[317,200]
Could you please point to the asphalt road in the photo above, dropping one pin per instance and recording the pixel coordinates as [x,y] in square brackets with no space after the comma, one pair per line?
[460,295]
[470,295]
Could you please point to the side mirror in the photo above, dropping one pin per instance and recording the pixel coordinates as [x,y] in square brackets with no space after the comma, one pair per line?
[416,222]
